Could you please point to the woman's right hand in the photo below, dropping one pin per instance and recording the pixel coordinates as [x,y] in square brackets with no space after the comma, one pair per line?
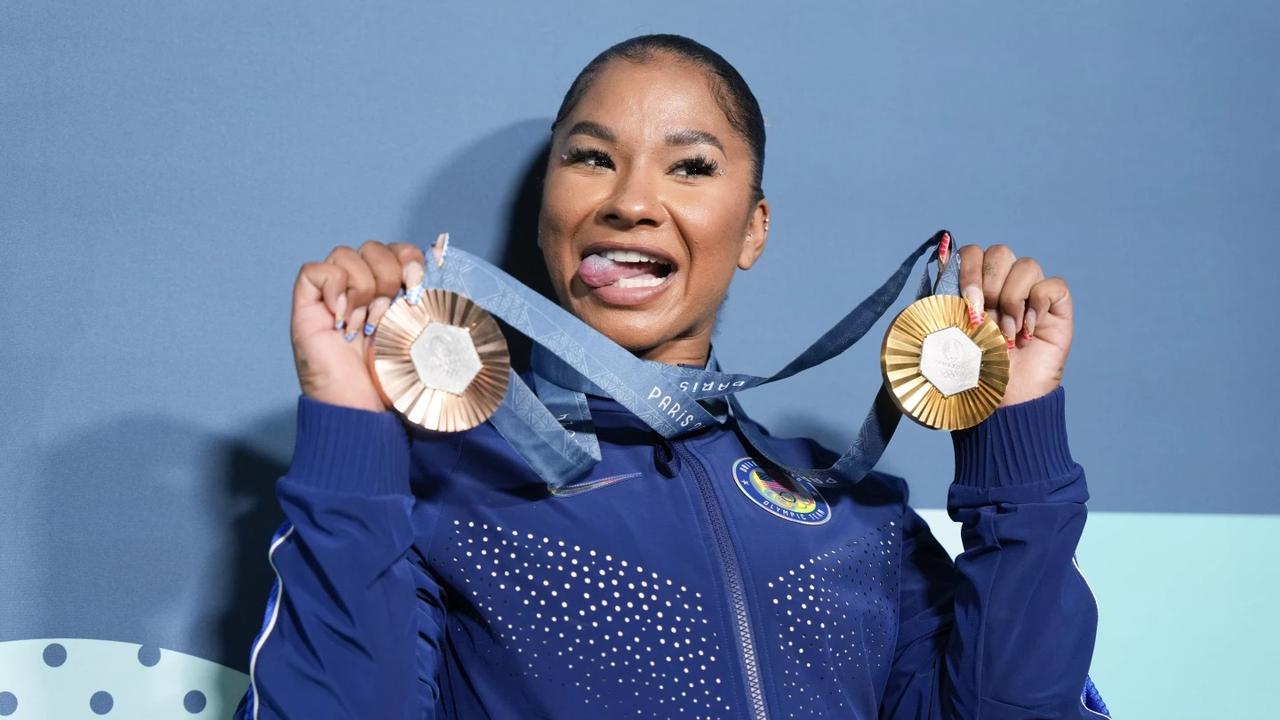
[336,305]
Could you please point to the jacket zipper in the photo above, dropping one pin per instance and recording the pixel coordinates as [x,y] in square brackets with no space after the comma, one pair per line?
[733,580]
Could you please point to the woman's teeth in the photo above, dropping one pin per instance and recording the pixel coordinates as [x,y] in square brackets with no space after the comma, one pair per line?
[639,281]
[630,256]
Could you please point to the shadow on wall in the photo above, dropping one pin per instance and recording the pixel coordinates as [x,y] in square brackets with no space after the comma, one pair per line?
[487,196]
[161,529]
[163,526]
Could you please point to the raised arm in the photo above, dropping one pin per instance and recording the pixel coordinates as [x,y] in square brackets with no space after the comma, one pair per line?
[1006,632]
[354,623]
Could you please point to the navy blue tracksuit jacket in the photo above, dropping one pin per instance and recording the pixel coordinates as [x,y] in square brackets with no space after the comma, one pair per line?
[425,575]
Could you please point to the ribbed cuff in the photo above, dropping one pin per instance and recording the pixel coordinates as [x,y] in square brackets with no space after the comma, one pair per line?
[349,450]
[1017,445]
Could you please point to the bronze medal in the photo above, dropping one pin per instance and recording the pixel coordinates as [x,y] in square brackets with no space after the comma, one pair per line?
[442,363]
[940,371]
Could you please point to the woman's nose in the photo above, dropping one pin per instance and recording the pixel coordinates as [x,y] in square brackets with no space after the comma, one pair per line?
[633,201]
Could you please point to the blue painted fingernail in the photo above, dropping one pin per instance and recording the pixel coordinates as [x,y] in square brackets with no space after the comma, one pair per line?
[368,328]
[414,294]
[349,336]
[339,324]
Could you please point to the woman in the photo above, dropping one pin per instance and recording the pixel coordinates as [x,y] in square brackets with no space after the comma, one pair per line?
[426,575]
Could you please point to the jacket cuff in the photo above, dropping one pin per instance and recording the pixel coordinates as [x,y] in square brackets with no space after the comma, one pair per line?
[1017,445]
[349,450]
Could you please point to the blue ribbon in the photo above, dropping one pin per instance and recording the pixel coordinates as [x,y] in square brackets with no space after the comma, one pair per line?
[551,427]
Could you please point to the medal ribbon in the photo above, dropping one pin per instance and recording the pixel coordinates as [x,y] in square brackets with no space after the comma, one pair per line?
[551,428]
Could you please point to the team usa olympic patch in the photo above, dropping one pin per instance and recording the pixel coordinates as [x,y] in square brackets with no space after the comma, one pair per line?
[791,499]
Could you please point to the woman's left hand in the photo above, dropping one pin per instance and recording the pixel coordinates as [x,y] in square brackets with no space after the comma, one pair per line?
[1033,312]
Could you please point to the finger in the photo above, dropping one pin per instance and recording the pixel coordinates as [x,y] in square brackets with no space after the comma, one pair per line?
[970,279]
[322,282]
[385,267]
[406,252]
[1022,276]
[411,259]
[360,281]
[1048,297]
[997,261]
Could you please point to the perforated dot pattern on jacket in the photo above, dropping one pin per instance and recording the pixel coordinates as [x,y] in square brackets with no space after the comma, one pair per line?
[836,616]
[626,640]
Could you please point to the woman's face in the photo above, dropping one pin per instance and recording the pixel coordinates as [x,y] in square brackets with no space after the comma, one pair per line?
[647,162]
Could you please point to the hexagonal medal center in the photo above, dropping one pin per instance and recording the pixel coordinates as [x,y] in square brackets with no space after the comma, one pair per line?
[950,360]
[445,357]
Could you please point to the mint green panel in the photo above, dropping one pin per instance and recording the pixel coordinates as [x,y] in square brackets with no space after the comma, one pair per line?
[1187,607]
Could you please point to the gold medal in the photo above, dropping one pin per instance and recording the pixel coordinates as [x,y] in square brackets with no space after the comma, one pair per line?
[940,371]
[441,363]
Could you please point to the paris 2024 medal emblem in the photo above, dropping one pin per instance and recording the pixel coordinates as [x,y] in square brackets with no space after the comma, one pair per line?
[941,371]
[442,362]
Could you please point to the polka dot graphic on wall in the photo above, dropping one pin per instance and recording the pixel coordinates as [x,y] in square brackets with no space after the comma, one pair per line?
[84,678]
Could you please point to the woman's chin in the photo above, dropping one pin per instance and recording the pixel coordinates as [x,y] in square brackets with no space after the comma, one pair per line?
[639,333]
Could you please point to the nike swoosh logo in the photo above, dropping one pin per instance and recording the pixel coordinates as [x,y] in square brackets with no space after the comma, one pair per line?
[592,484]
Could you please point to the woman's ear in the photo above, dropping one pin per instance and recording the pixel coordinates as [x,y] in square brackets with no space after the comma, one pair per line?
[757,235]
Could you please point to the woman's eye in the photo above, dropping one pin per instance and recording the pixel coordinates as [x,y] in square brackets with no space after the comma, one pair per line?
[590,158]
[694,166]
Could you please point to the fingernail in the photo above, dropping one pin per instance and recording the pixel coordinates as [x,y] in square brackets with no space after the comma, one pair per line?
[1029,324]
[340,313]
[369,328]
[440,247]
[974,318]
[973,295]
[413,281]
[377,309]
[1008,329]
[944,247]
[1009,344]
[358,317]
[412,273]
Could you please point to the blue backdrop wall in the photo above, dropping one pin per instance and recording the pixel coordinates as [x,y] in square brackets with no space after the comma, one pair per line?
[166,167]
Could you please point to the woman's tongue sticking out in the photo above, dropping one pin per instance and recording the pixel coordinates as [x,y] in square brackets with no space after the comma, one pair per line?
[599,271]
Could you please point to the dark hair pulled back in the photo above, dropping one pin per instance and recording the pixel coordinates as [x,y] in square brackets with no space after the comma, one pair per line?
[733,95]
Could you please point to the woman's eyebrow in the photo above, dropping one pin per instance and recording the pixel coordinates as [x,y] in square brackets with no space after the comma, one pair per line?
[675,138]
[593,129]
[681,138]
